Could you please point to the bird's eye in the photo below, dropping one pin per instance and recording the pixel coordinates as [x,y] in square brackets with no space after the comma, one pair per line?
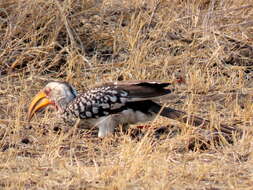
[47,91]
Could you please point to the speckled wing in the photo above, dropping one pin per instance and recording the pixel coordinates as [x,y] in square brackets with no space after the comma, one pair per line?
[112,98]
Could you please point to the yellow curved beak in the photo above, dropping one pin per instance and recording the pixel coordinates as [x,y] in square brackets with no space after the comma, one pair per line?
[39,101]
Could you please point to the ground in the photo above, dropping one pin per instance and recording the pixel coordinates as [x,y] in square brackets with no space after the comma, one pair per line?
[204,47]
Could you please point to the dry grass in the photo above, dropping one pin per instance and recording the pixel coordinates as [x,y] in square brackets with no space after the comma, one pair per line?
[207,42]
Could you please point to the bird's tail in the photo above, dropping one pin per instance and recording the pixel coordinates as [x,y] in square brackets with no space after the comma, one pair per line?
[193,120]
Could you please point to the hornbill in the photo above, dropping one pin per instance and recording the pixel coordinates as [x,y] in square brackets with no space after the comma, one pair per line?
[113,104]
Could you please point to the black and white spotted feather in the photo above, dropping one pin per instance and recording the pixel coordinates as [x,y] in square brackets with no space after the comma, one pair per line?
[96,103]
[112,98]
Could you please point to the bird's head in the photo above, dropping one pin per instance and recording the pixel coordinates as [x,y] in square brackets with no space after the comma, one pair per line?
[57,94]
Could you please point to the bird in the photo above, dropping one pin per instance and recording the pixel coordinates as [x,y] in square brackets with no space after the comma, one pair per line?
[112,104]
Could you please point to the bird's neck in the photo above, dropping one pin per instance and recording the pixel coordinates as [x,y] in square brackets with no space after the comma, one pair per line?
[63,102]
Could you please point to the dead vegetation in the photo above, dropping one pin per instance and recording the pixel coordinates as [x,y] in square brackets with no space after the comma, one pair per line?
[208,43]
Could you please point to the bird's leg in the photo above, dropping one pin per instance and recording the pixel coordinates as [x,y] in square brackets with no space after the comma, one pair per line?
[106,126]
[123,128]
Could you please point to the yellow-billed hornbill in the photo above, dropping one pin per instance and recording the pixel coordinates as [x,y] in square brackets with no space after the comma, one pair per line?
[112,104]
